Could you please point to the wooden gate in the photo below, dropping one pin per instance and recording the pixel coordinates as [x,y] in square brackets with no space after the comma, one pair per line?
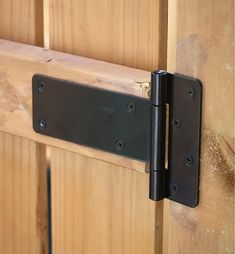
[61,198]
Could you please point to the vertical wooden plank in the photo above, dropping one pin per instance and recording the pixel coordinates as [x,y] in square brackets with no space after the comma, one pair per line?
[98,207]
[202,45]
[127,32]
[21,20]
[23,191]
[46,23]
[23,220]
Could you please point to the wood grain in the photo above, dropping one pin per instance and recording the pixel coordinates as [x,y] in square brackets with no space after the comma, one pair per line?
[21,20]
[23,191]
[127,32]
[100,208]
[23,220]
[202,46]
[112,213]
[19,62]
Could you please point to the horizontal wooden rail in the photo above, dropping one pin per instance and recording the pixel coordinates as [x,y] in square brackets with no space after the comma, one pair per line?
[19,62]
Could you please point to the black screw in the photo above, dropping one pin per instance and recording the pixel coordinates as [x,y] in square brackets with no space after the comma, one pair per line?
[188,159]
[120,145]
[190,92]
[131,106]
[176,123]
[41,86]
[42,124]
[174,188]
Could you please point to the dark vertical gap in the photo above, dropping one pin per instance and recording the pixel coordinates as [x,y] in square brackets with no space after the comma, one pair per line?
[49,207]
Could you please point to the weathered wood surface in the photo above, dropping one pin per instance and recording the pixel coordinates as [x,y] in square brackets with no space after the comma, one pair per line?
[201,44]
[23,211]
[127,32]
[18,63]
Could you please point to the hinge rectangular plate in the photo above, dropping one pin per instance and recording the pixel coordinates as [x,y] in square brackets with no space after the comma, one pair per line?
[120,124]
[184,98]
[92,117]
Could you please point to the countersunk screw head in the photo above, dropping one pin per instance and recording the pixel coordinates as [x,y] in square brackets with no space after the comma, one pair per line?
[174,188]
[120,145]
[42,124]
[191,92]
[41,86]
[188,160]
[131,106]
[176,123]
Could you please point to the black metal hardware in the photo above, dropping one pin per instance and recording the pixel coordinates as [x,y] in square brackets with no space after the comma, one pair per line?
[158,135]
[131,126]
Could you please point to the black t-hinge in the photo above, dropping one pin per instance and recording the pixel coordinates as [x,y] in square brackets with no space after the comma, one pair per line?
[163,131]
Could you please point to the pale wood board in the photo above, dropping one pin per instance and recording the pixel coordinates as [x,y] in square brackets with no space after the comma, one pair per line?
[131,33]
[201,44]
[100,208]
[23,211]
[127,32]
[19,62]
[23,192]
[21,20]
[46,27]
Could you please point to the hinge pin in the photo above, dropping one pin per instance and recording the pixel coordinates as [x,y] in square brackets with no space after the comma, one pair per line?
[158,135]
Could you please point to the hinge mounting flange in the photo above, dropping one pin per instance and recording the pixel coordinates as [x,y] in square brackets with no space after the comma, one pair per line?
[131,126]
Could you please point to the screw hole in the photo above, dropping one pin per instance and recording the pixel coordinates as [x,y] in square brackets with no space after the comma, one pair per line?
[174,188]
[188,159]
[42,124]
[176,123]
[131,106]
[41,86]
[120,145]
[191,92]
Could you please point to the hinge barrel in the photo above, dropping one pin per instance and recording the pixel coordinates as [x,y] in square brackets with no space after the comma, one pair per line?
[158,135]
